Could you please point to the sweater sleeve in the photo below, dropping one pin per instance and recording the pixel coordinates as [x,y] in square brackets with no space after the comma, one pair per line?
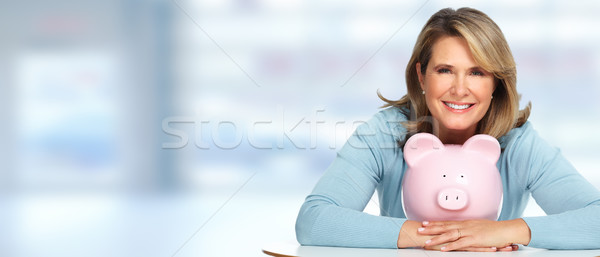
[332,215]
[571,203]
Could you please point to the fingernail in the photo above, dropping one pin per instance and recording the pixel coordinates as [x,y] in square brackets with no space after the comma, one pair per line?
[420,229]
[494,248]
[427,242]
[443,248]
[425,222]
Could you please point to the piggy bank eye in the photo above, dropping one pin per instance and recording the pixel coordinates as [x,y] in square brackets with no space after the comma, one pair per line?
[444,175]
[462,179]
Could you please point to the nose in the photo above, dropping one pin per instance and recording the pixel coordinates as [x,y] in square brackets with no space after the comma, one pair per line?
[452,199]
[459,86]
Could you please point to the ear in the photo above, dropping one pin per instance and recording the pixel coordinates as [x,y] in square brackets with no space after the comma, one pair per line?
[420,76]
[486,145]
[420,145]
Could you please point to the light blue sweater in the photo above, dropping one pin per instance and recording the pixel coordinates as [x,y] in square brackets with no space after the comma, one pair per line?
[371,159]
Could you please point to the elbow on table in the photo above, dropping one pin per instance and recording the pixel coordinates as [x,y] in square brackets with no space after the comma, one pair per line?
[304,224]
[302,236]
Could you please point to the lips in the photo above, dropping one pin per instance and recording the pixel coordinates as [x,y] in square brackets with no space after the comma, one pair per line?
[458,107]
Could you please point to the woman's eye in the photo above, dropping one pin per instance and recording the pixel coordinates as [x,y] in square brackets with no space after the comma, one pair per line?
[443,70]
[477,73]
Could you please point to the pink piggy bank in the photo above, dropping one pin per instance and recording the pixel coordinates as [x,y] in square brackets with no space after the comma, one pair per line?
[451,182]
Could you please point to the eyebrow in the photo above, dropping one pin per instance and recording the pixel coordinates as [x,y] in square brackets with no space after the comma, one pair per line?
[444,65]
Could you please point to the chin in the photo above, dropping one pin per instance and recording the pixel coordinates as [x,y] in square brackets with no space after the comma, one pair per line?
[459,127]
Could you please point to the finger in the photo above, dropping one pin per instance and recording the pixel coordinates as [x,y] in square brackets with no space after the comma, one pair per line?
[506,249]
[509,248]
[437,223]
[478,249]
[444,238]
[462,243]
[434,247]
[427,231]
[437,230]
[468,249]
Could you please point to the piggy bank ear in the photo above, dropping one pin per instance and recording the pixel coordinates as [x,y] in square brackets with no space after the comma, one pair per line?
[420,145]
[486,145]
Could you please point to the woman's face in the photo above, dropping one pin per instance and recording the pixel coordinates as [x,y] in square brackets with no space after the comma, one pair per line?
[458,91]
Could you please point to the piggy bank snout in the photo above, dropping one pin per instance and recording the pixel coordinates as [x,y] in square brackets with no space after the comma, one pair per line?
[452,199]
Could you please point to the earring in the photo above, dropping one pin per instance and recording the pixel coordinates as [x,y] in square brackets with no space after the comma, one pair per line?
[423,92]
[492,97]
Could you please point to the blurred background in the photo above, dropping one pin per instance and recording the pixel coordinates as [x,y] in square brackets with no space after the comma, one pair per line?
[196,128]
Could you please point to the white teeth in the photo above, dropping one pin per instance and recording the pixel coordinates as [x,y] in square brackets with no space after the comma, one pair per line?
[457,106]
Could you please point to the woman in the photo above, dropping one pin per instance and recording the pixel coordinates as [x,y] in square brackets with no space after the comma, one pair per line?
[461,81]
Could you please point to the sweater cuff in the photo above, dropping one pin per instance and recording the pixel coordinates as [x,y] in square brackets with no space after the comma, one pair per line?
[392,231]
[539,229]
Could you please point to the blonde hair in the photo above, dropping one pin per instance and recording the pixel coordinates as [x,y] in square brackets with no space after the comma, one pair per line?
[490,50]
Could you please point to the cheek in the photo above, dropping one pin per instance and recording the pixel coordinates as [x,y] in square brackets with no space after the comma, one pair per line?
[436,87]
[485,101]
[484,91]
[489,85]
[435,83]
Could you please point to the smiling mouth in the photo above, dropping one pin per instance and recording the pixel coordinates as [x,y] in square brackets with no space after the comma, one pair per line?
[458,107]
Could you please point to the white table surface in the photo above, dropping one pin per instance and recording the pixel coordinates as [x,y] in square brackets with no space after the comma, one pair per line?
[294,249]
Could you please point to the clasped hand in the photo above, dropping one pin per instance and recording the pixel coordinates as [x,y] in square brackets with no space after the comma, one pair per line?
[474,235]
